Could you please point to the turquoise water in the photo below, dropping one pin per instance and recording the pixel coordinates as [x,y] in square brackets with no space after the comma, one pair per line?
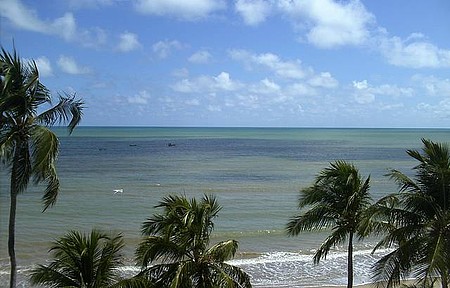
[255,173]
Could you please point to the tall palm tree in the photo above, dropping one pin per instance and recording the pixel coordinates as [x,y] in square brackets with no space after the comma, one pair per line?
[336,200]
[179,240]
[416,221]
[27,145]
[80,260]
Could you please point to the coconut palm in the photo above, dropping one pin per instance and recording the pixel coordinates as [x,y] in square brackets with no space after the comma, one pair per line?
[336,200]
[178,239]
[27,145]
[417,221]
[81,260]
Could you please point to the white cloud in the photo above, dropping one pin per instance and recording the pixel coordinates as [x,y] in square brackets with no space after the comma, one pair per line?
[300,89]
[287,70]
[248,101]
[416,54]
[21,16]
[141,98]
[200,57]
[186,86]
[224,82]
[266,86]
[27,19]
[65,27]
[324,80]
[440,110]
[433,86]
[365,93]
[164,48]
[78,4]
[44,66]
[364,97]
[186,10]
[69,66]
[284,69]
[253,11]
[207,84]
[214,108]
[180,73]
[394,91]
[294,80]
[328,23]
[360,85]
[128,42]
[192,102]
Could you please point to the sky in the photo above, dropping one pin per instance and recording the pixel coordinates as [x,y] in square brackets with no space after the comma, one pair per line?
[246,63]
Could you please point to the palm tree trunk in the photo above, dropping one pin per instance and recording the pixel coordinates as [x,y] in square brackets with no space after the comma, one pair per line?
[350,261]
[12,218]
[444,280]
[11,238]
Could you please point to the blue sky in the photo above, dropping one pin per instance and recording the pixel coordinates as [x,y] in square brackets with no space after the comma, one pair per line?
[293,63]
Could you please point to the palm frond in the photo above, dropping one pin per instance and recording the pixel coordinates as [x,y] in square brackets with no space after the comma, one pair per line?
[387,271]
[21,170]
[222,251]
[404,182]
[312,195]
[68,110]
[433,257]
[318,217]
[44,151]
[152,248]
[80,259]
[377,218]
[178,238]
[229,276]
[160,274]
[50,277]
[419,222]
[337,237]
[108,260]
[134,282]
[339,199]
[51,191]
[7,141]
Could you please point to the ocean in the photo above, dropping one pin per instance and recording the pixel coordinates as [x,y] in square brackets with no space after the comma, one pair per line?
[255,173]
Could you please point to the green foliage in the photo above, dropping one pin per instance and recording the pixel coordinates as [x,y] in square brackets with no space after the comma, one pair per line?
[27,146]
[80,260]
[338,200]
[178,241]
[416,220]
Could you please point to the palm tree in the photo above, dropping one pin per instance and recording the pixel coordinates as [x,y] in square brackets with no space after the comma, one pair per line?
[80,260]
[336,200]
[416,221]
[27,145]
[179,239]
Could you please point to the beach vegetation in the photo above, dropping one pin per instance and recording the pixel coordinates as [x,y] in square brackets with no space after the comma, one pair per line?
[27,145]
[175,250]
[415,221]
[80,260]
[337,199]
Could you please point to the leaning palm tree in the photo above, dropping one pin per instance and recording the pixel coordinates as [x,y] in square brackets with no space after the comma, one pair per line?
[336,200]
[416,221]
[80,260]
[178,239]
[27,146]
